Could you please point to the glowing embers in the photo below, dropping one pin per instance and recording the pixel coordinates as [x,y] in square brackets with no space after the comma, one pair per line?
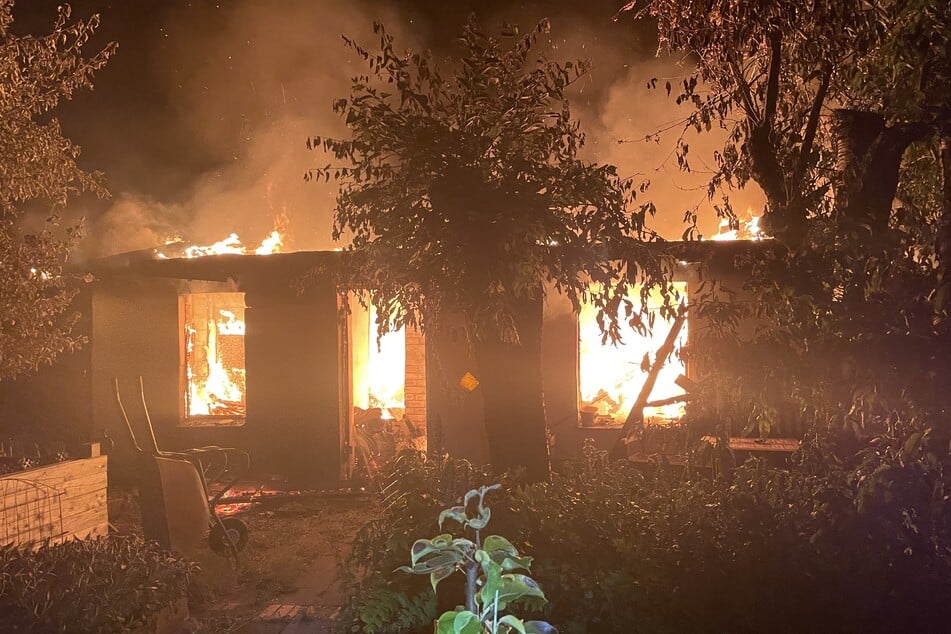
[214,356]
[379,371]
[611,376]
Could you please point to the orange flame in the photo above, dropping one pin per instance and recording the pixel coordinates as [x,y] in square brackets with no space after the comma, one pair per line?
[611,376]
[231,244]
[214,354]
[748,229]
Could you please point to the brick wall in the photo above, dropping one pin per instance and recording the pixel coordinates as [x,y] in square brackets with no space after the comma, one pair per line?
[415,390]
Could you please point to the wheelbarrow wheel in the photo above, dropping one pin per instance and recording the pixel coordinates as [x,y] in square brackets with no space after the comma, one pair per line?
[231,530]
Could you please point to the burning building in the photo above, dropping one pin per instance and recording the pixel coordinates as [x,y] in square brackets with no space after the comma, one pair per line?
[232,354]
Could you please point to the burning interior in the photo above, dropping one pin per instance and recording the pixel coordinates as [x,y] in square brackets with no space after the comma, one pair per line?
[378,366]
[235,356]
[214,358]
[610,376]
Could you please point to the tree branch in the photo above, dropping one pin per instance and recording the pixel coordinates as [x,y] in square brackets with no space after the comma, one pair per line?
[772,81]
[745,94]
[812,125]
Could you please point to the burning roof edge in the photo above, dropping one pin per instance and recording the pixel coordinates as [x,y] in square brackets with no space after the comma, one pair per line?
[297,263]
[214,267]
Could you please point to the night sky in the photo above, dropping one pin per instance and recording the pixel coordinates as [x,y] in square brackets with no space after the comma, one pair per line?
[199,121]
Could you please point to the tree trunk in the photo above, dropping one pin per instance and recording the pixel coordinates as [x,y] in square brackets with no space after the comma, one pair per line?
[868,160]
[510,377]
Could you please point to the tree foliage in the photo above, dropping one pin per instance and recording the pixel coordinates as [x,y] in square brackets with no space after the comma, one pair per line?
[38,166]
[462,187]
[834,110]
[818,99]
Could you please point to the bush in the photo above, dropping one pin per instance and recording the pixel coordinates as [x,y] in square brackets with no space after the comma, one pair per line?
[815,547]
[102,585]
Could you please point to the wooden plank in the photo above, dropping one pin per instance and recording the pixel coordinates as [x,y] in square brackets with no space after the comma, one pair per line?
[90,528]
[786,445]
[98,530]
[95,500]
[81,486]
[58,500]
[76,524]
[62,472]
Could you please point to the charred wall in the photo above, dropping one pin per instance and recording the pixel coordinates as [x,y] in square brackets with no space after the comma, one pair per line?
[294,427]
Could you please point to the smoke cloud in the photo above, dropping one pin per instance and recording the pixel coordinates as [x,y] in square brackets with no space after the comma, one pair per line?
[246,84]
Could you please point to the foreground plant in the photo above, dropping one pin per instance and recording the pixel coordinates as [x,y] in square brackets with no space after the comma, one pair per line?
[491,568]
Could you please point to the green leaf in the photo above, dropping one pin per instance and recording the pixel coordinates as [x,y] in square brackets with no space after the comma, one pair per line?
[539,627]
[457,513]
[423,547]
[517,563]
[493,578]
[468,623]
[478,523]
[495,543]
[505,554]
[518,586]
[440,560]
[515,624]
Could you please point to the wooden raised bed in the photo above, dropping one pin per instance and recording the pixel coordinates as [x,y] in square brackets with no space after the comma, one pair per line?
[55,502]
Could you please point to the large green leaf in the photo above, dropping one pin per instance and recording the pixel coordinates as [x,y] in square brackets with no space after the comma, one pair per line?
[423,547]
[517,586]
[443,559]
[505,554]
[492,579]
[514,624]
[463,622]
[494,543]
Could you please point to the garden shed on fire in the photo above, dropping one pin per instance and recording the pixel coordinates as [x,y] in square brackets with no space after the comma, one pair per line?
[232,353]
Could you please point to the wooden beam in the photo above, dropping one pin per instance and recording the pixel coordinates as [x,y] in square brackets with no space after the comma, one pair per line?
[636,415]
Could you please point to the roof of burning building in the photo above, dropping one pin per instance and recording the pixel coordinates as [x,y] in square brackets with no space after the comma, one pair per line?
[294,265]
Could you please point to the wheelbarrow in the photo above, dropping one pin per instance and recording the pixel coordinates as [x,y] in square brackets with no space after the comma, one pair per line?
[175,490]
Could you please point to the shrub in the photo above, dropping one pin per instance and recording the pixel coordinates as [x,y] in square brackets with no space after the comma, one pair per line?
[863,547]
[102,585]
[493,567]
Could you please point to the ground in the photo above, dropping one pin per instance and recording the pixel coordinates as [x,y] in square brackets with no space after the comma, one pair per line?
[287,580]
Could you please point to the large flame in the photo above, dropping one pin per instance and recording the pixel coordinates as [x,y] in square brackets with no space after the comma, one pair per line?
[214,336]
[231,244]
[379,368]
[611,376]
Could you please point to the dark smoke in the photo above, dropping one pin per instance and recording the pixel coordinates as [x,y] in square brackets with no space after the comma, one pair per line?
[240,86]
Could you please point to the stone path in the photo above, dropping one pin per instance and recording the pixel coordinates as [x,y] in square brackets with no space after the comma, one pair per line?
[310,609]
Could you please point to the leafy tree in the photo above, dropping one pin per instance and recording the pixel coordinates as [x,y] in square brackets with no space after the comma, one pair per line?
[38,165]
[833,109]
[464,195]
[816,97]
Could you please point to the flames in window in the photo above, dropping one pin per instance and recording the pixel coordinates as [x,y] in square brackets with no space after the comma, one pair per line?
[611,376]
[214,355]
[379,371]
